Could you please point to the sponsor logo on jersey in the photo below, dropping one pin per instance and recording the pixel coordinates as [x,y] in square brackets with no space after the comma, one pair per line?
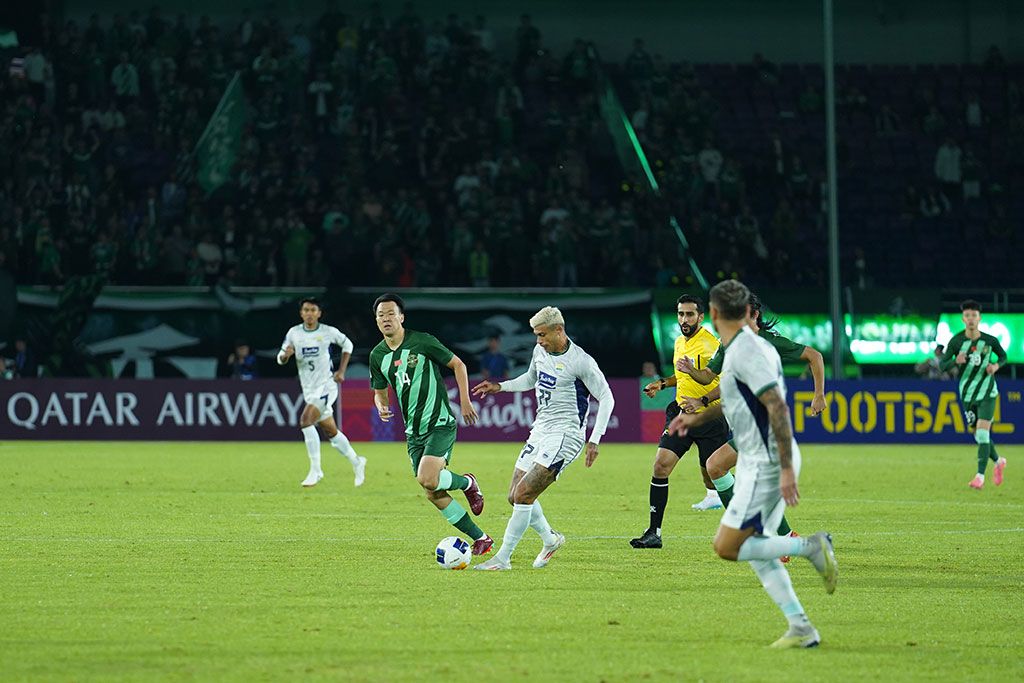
[545,380]
[310,351]
[559,366]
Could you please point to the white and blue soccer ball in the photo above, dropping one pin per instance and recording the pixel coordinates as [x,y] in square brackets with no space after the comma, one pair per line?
[453,553]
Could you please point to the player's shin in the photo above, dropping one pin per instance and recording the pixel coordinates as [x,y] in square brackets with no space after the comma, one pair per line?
[772,547]
[658,500]
[460,519]
[539,523]
[724,485]
[448,480]
[984,440]
[341,444]
[312,440]
[517,526]
[776,582]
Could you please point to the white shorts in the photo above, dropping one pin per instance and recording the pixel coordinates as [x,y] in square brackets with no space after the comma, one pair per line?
[756,501]
[553,450]
[324,399]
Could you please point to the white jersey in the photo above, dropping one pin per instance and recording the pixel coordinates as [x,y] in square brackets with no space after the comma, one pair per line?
[564,384]
[312,354]
[752,366]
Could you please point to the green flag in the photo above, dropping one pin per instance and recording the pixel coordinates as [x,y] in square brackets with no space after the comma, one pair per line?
[218,147]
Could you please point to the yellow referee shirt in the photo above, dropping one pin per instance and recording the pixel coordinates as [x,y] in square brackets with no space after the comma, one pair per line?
[700,348]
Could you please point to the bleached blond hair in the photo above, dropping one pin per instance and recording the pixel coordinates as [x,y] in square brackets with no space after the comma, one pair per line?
[549,315]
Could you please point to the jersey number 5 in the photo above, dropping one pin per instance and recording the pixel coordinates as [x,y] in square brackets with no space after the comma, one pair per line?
[312,367]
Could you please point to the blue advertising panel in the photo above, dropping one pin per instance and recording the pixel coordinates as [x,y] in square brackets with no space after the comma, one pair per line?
[898,411]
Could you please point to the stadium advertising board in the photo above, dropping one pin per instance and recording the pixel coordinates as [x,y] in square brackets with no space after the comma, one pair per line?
[883,411]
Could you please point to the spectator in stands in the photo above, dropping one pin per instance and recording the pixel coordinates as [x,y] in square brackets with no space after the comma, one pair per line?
[479,266]
[810,100]
[972,172]
[210,258]
[242,362]
[493,363]
[947,167]
[934,122]
[710,160]
[124,79]
[888,122]
[973,116]
[934,203]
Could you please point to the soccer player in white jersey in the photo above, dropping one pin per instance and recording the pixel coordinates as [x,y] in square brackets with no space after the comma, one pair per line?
[310,343]
[564,377]
[754,403]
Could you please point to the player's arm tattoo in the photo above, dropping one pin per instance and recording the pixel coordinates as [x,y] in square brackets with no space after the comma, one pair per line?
[778,418]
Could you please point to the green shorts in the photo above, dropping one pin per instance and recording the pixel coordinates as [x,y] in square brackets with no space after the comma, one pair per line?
[984,409]
[438,442]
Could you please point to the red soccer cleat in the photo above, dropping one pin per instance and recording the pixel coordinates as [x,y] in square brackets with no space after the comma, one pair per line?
[474,496]
[997,471]
[785,558]
[977,482]
[482,546]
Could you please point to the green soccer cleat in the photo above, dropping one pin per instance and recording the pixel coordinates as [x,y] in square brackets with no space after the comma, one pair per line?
[798,637]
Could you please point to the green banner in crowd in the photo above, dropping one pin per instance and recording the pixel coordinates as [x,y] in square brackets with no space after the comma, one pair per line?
[218,147]
[882,339]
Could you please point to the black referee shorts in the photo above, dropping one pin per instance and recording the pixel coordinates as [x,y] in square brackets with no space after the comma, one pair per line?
[709,436]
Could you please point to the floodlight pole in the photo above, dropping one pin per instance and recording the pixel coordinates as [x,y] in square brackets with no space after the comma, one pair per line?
[835,301]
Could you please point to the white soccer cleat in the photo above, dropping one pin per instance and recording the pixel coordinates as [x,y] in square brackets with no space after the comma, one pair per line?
[798,637]
[711,502]
[312,479]
[494,564]
[548,550]
[360,470]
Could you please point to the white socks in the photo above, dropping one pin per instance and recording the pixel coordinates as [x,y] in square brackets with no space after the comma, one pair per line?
[517,525]
[341,444]
[312,447]
[772,547]
[775,580]
[539,523]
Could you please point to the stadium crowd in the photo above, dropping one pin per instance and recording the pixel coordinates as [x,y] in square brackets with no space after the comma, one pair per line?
[406,151]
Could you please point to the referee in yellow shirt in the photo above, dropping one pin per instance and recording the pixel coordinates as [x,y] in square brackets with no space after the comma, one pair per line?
[696,346]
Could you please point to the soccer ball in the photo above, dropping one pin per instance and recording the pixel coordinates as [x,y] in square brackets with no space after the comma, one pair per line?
[453,553]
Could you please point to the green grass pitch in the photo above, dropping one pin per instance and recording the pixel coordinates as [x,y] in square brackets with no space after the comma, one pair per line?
[204,561]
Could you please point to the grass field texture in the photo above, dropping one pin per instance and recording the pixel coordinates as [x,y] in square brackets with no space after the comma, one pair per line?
[207,561]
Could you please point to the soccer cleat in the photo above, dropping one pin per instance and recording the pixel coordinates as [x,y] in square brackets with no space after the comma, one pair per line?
[360,470]
[997,471]
[711,502]
[474,496]
[494,564]
[312,479]
[978,482]
[650,539]
[785,558]
[548,550]
[798,637]
[823,557]
[482,545]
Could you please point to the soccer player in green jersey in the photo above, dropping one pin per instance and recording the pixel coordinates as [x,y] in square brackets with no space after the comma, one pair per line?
[724,459]
[410,362]
[973,349]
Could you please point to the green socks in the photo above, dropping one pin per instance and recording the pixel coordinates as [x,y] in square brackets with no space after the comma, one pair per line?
[984,452]
[447,481]
[460,519]
[724,486]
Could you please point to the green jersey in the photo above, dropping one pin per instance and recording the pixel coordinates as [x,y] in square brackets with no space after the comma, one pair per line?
[414,370]
[789,350]
[975,383]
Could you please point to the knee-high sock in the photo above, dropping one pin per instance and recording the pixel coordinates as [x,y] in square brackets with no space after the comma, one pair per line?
[341,444]
[460,519]
[539,523]
[448,480]
[984,439]
[659,500]
[772,547]
[312,440]
[724,486]
[777,584]
[517,526]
